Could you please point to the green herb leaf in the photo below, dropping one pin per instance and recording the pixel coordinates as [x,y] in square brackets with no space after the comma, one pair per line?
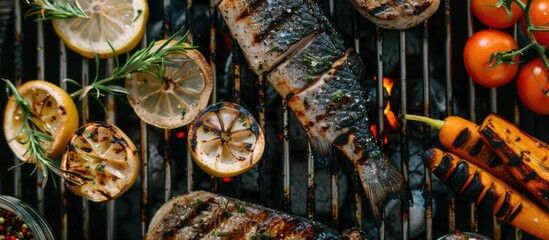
[337,96]
[261,236]
[47,10]
[240,208]
[100,167]
[142,61]
[36,138]
[115,89]
[316,65]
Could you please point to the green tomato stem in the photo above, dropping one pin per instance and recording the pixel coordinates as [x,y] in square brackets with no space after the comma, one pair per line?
[530,29]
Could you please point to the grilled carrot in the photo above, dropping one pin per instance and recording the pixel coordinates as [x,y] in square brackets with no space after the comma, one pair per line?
[461,137]
[488,192]
[525,156]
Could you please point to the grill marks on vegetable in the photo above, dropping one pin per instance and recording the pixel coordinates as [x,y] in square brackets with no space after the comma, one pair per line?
[464,136]
[472,183]
[516,162]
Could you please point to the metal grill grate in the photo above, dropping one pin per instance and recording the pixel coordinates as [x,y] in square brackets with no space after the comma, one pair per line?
[425,63]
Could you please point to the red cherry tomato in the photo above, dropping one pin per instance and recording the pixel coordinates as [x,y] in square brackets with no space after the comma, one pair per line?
[476,56]
[496,17]
[539,15]
[533,86]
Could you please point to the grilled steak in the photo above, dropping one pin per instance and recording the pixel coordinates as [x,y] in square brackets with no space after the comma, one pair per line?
[396,14]
[205,215]
[310,65]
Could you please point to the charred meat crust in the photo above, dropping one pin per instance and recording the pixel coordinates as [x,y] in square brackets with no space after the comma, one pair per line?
[201,214]
[396,14]
[393,9]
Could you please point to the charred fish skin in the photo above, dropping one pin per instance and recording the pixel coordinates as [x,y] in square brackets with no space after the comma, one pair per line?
[333,110]
[314,56]
[396,14]
[332,106]
[205,215]
[306,66]
[267,29]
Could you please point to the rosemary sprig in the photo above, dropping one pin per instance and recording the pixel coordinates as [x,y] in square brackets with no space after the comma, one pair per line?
[142,61]
[47,10]
[36,137]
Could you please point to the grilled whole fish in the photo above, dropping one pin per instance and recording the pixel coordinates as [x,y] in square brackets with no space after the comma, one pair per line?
[396,14]
[311,66]
[205,215]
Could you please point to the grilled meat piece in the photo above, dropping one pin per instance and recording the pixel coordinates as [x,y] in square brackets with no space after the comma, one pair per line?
[205,215]
[396,14]
[322,81]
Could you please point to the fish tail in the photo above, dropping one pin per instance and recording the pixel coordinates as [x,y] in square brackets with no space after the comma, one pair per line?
[379,179]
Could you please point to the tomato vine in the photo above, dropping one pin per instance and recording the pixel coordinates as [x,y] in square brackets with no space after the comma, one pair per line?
[506,57]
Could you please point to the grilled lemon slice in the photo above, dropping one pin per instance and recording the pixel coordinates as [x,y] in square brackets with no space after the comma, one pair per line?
[112,25]
[53,112]
[175,100]
[106,156]
[225,140]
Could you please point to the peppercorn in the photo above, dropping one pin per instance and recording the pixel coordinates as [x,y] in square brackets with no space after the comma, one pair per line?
[13,227]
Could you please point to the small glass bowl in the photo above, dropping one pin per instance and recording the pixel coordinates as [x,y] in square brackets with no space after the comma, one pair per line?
[470,235]
[36,222]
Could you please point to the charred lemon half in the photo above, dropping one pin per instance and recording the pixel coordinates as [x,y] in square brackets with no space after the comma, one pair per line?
[52,111]
[104,155]
[225,140]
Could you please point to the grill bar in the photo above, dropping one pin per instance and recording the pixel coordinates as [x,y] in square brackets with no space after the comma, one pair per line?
[213,48]
[404,161]
[189,16]
[310,184]
[335,193]
[264,164]
[85,220]
[144,174]
[237,72]
[111,223]
[40,66]
[167,32]
[167,166]
[427,131]
[18,57]
[381,106]
[473,117]
[62,187]
[287,194]
[516,120]
[357,184]
[449,96]
[144,168]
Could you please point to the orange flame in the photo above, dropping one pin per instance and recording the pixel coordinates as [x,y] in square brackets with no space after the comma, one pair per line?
[373,128]
[392,120]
